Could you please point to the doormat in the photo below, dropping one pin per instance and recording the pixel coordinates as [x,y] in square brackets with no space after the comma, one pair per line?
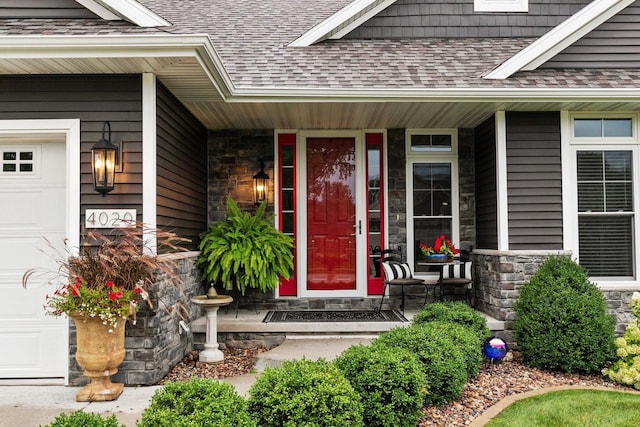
[334,316]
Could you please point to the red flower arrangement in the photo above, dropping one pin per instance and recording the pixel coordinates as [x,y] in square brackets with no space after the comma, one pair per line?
[442,245]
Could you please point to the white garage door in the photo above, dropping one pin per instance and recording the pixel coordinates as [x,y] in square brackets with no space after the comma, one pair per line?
[33,206]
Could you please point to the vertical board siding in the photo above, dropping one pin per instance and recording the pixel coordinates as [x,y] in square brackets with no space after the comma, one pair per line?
[534,180]
[486,193]
[93,100]
[614,44]
[69,9]
[181,169]
[456,18]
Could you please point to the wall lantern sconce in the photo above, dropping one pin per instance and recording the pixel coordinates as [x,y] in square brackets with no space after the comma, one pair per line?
[260,185]
[104,156]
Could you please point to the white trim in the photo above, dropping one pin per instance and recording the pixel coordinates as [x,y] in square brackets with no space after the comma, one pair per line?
[502,194]
[301,230]
[559,38]
[70,128]
[569,196]
[450,157]
[570,145]
[500,5]
[149,164]
[322,30]
[129,10]
[75,48]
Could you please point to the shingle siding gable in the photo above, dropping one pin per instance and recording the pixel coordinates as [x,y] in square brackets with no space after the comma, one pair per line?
[614,44]
[68,9]
[456,18]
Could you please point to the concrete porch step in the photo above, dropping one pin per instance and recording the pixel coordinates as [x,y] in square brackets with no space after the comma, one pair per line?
[248,321]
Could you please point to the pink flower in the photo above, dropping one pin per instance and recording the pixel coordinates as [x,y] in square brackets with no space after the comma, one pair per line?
[113,296]
[110,284]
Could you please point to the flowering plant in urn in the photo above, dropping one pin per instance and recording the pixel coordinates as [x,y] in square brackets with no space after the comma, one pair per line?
[442,246]
[99,289]
[110,277]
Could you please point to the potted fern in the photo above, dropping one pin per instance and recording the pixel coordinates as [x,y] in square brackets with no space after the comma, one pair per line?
[245,251]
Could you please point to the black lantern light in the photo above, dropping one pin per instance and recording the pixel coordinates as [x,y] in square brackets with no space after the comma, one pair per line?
[260,185]
[103,162]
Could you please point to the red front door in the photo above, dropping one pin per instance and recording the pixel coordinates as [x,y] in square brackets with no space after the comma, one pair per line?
[331,214]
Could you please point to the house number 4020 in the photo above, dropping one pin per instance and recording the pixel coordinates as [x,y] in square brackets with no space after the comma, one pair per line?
[110,218]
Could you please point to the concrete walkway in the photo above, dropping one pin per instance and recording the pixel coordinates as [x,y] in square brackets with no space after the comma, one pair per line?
[35,405]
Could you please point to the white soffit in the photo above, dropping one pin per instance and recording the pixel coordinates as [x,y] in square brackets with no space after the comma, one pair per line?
[559,38]
[127,10]
[342,22]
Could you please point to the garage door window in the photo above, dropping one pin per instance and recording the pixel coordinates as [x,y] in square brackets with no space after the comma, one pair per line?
[18,162]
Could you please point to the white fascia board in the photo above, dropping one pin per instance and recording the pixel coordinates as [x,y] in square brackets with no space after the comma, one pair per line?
[128,10]
[326,27]
[197,46]
[253,94]
[559,38]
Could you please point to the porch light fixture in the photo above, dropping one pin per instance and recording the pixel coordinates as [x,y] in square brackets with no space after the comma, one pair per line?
[260,185]
[103,162]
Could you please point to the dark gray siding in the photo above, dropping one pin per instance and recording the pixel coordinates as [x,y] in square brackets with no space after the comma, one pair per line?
[181,170]
[614,44]
[486,197]
[93,100]
[534,180]
[69,9]
[455,18]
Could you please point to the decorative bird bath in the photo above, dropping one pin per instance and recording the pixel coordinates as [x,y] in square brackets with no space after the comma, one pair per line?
[211,302]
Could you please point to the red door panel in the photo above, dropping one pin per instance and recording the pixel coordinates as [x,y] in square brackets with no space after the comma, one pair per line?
[331,207]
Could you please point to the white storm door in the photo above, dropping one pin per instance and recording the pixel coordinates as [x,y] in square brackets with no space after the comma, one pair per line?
[33,195]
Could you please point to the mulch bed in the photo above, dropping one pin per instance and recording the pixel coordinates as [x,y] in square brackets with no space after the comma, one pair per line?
[493,383]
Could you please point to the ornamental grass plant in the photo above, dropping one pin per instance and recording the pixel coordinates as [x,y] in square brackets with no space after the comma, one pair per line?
[110,276]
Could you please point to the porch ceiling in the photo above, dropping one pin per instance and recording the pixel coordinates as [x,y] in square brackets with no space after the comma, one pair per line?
[374,115]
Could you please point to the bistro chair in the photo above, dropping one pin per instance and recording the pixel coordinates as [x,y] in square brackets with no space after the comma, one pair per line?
[398,273]
[459,275]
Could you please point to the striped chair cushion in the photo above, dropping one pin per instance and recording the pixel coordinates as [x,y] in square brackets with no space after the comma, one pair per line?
[394,270]
[458,271]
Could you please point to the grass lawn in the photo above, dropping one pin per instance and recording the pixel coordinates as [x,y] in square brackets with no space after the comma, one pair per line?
[569,408]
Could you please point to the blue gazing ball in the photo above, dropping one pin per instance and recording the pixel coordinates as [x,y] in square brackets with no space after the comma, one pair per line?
[495,348]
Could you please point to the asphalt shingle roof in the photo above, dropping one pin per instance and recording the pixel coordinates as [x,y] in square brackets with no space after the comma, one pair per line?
[251,38]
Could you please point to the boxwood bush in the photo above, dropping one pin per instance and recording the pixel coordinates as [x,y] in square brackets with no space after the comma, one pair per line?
[456,312]
[84,419]
[304,393]
[390,382]
[462,337]
[442,361]
[562,321]
[194,403]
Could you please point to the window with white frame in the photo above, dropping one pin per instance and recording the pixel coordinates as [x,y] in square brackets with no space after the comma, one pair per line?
[604,150]
[500,5]
[432,193]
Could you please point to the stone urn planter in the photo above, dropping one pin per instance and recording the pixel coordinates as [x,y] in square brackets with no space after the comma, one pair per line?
[100,350]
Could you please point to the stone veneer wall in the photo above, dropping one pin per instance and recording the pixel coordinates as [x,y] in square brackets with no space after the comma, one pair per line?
[154,344]
[500,275]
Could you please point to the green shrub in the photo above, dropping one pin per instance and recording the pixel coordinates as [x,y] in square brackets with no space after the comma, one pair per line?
[443,363]
[561,321]
[626,370]
[390,382]
[463,338]
[456,312]
[195,403]
[84,419]
[304,393]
